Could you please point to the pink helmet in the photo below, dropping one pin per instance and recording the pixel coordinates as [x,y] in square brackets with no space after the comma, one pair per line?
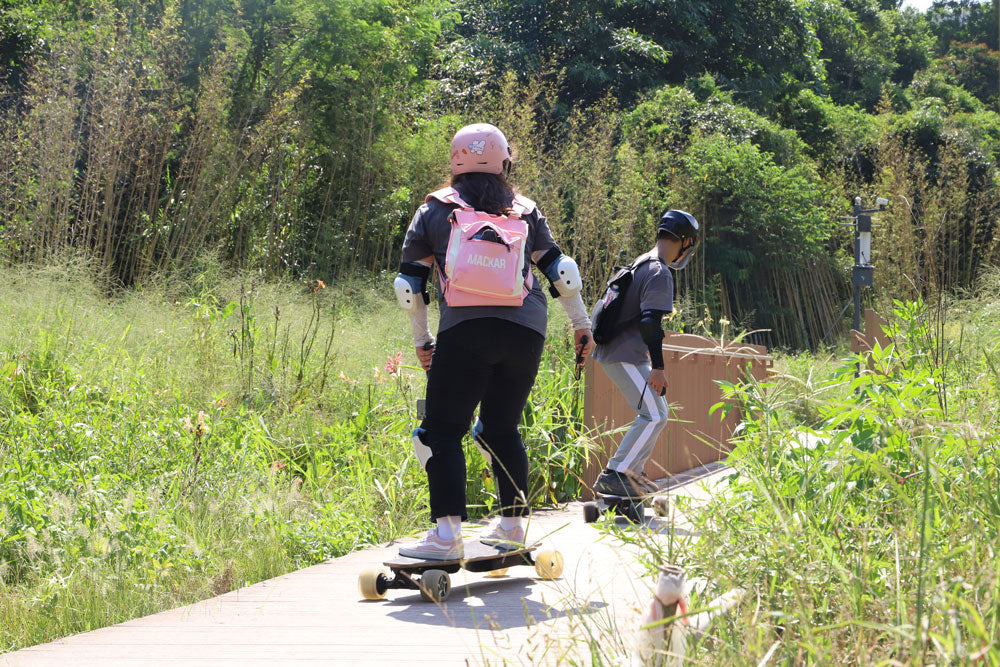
[480,147]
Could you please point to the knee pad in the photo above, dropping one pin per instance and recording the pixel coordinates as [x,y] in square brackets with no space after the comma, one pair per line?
[422,451]
[477,437]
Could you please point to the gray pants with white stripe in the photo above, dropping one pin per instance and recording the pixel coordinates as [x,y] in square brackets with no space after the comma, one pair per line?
[651,415]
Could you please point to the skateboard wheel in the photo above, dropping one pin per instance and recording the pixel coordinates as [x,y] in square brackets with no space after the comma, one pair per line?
[502,572]
[435,586]
[661,506]
[591,512]
[549,564]
[372,584]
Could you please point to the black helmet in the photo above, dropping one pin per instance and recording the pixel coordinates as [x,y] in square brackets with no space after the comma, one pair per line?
[681,225]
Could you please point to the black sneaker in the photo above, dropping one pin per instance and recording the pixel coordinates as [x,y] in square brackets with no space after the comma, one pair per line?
[646,481]
[612,483]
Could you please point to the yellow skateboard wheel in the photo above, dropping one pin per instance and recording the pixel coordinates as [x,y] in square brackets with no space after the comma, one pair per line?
[371,584]
[549,564]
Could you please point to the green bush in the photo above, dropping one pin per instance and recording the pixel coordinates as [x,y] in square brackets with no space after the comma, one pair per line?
[871,536]
[839,136]
[934,83]
[923,126]
[771,217]
[671,116]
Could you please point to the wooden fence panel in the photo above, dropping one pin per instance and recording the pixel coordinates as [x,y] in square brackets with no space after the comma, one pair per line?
[691,438]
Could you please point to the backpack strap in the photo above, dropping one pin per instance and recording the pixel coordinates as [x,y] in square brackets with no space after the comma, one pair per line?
[523,206]
[642,259]
[447,195]
[639,261]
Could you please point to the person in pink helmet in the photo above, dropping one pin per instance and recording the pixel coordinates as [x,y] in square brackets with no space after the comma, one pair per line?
[490,336]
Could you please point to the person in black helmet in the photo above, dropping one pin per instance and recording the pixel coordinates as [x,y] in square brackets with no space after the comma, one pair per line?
[633,358]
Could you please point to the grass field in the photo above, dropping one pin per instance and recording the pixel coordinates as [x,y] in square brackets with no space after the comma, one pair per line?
[172,442]
[863,515]
[177,440]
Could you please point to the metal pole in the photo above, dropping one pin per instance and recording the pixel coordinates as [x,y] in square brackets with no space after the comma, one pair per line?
[857,309]
[857,262]
[862,273]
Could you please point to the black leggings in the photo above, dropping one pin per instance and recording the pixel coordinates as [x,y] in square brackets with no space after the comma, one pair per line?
[492,363]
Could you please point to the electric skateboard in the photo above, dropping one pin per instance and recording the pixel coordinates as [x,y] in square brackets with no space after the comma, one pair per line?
[431,577]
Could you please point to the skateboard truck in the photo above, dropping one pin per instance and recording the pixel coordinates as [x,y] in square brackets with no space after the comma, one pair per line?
[632,508]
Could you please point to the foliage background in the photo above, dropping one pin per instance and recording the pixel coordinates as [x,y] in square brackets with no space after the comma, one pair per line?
[200,201]
[296,137]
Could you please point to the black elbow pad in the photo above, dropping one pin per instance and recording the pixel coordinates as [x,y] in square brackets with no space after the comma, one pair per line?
[651,330]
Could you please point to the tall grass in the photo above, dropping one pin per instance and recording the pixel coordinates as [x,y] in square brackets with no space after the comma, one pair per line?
[106,153]
[870,534]
[182,439]
[109,151]
[941,229]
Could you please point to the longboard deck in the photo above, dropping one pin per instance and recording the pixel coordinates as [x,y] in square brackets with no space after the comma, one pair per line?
[475,552]
[616,498]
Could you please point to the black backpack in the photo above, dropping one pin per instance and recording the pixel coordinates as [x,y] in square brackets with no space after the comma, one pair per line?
[607,310]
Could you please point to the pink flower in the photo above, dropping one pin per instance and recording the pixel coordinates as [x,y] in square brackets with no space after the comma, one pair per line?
[392,364]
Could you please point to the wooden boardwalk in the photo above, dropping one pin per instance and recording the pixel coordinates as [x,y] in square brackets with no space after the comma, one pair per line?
[316,617]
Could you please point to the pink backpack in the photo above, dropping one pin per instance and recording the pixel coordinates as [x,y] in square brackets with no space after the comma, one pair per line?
[484,264]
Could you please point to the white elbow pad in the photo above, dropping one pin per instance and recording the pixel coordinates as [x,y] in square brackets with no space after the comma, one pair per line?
[562,272]
[411,286]
[407,292]
[566,276]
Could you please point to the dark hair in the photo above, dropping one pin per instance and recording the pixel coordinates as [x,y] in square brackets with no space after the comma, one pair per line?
[490,193]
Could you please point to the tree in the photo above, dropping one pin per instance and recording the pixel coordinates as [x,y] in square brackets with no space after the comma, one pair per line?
[974,67]
[867,47]
[758,48]
[966,21]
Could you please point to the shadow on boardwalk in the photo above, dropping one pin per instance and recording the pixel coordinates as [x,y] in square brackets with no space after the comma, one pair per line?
[495,604]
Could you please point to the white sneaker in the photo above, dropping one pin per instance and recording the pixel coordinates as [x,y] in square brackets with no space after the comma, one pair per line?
[504,540]
[432,547]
